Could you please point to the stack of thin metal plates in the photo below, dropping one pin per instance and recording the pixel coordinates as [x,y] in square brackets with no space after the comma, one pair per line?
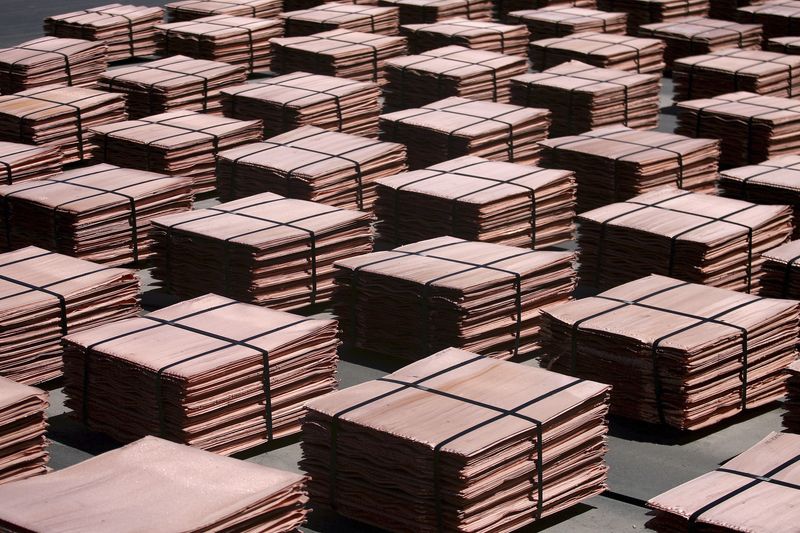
[180,142]
[476,34]
[791,418]
[286,102]
[455,127]
[427,11]
[616,163]
[25,162]
[335,15]
[476,445]
[504,7]
[605,50]
[786,45]
[642,12]
[694,237]
[778,17]
[100,213]
[478,200]
[559,21]
[728,9]
[295,5]
[264,249]
[582,97]
[781,277]
[312,164]
[194,9]
[675,353]
[127,30]
[23,424]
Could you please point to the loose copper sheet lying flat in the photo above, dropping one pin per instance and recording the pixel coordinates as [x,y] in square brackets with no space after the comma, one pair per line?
[100,213]
[23,424]
[264,249]
[194,373]
[786,45]
[778,17]
[60,117]
[753,492]
[347,54]
[179,142]
[476,445]
[234,40]
[559,21]
[155,485]
[335,15]
[727,9]
[605,50]
[312,164]
[127,30]
[781,277]
[642,12]
[43,296]
[695,237]
[25,162]
[284,103]
[582,97]
[455,127]
[755,71]
[752,128]
[428,11]
[194,9]
[450,292]
[50,60]
[791,418]
[475,34]
[678,353]
[172,84]
[617,163]
[478,200]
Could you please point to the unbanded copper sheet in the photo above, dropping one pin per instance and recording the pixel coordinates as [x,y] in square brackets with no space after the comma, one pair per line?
[23,423]
[781,278]
[428,11]
[509,39]
[335,15]
[606,50]
[559,21]
[194,9]
[24,162]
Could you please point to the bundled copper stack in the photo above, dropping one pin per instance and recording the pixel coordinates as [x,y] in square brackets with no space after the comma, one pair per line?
[446,291]
[59,117]
[504,7]
[582,97]
[100,213]
[778,17]
[264,249]
[729,9]
[755,491]
[180,142]
[156,485]
[699,35]
[688,355]
[641,12]
[616,163]
[23,424]
[781,277]
[295,5]
[164,363]
[604,50]
[414,81]
[478,200]
[427,11]
[313,164]
[559,21]
[46,296]
[791,418]
[475,34]
[695,237]
[786,45]
[233,40]
[471,427]
[455,127]
[195,9]
[334,16]
[342,53]
[284,103]
[51,60]
[751,128]
[127,30]
[26,162]
[723,71]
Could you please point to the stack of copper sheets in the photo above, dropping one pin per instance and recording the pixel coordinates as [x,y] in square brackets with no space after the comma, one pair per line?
[478,200]
[494,445]
[286,102]
[413,81]
[605,50]
[778,17]
[786,45]
[334,16]
[342,53]
[295,5]
[723,71]
[781,278]
[455,127]
[728,9]
[264,249]
[46,296]
[312,164]
[155,485]
[100,213]
[642,12]
[427,11]
[194,9]
[616,163]
[127,30]
[675,353]
[690,236]
[59,117]
[25,162]
[582,97]
[180,142]
[475,34]
[755,491]
[752,128]
[23,423]
[168,364]
[791,418]
[51,60]
[447,291]
[234,40]
[504,7]
[558,21]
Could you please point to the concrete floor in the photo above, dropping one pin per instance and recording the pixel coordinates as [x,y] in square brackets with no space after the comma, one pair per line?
[644,460]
